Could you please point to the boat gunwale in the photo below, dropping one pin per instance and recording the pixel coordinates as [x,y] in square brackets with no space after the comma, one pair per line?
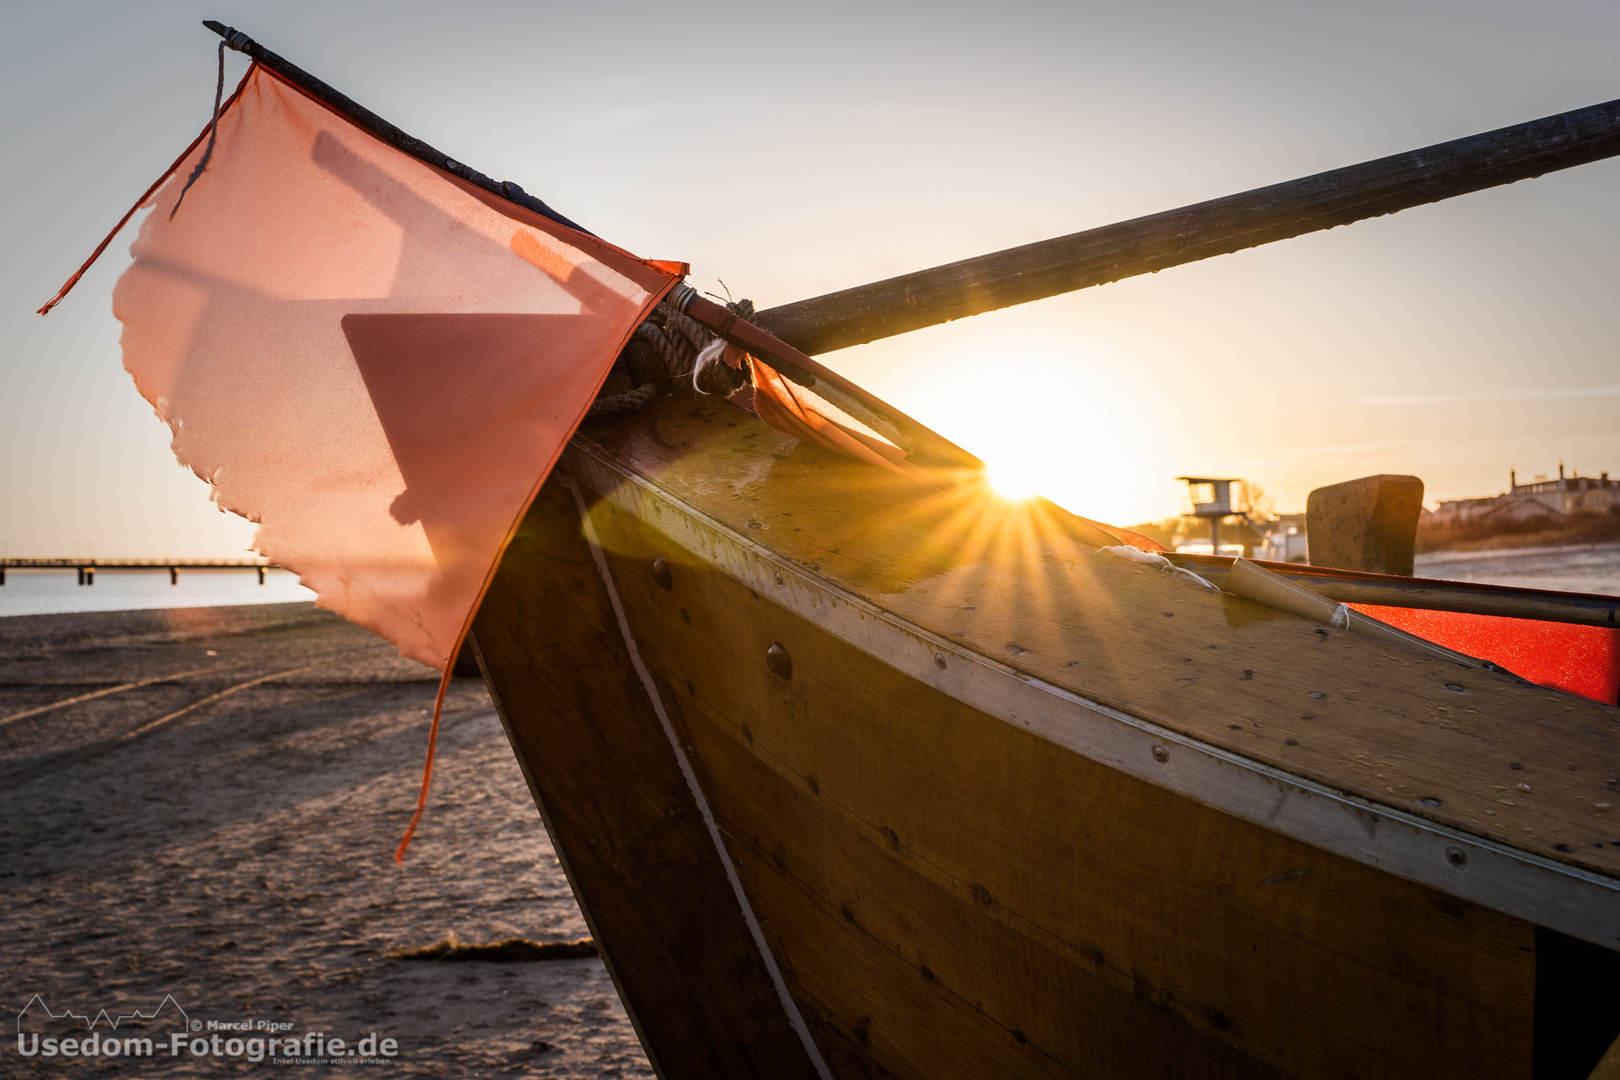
[1570,899]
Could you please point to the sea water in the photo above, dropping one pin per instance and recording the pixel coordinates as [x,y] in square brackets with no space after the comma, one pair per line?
[47,592]
[1588,568]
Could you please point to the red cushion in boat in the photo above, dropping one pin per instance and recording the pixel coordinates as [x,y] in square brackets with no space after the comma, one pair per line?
[1583,660]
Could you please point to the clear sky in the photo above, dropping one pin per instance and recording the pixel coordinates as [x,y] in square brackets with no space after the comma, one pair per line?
[791,151]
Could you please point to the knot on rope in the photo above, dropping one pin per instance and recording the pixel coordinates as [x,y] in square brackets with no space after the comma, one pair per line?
[669,354]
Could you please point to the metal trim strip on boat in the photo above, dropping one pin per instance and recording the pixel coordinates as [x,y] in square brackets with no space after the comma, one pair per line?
[1515,882]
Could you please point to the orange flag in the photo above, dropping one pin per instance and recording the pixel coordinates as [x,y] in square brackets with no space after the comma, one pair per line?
[375,361]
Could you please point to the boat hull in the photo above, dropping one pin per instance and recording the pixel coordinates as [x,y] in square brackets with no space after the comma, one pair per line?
[940,892]
[624,819]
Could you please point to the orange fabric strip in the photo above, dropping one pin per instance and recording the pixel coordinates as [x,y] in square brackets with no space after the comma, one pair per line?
[795,411]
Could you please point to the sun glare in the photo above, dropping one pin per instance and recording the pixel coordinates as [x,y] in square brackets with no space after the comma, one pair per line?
[1049,409]
[1013,481]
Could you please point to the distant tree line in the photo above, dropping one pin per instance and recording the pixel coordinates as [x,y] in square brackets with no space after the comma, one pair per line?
[1584,527]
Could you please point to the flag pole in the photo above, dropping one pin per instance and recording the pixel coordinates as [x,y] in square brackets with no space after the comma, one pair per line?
[368,121]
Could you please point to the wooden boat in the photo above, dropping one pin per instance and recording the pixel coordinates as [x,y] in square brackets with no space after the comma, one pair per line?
[860,777]
[855,779]
[923,787]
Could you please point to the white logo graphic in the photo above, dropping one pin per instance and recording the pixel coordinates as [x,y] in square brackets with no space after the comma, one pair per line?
[167,1029]
[43,1032]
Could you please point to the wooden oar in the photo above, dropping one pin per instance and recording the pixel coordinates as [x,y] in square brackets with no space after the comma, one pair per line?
[1147,244]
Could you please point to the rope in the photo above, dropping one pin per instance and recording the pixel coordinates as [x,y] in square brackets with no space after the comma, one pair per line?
[685,326]
[213,128]
[671,351]
[713,351]
[629,401]
[663,356]
[227,692]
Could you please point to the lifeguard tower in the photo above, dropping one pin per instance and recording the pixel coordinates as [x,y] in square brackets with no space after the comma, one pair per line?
[1212,501]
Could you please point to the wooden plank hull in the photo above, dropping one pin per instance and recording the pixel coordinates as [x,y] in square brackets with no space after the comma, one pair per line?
[943,892]
[637,851]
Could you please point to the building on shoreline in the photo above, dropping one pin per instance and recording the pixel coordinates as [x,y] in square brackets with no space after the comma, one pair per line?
[1541,499]
[1284,540]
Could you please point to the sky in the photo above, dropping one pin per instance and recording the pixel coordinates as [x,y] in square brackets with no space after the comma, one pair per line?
[789,151]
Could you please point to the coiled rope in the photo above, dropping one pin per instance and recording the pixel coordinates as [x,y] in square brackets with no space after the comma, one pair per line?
[660,359]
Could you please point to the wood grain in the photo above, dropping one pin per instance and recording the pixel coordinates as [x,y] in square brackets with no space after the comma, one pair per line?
[622,818]
[952,896]
[1533,768]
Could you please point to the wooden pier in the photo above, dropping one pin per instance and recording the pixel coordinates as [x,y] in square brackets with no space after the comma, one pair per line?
[87,567]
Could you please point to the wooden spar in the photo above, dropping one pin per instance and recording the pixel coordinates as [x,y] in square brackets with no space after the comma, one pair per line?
[1429,594]
[1252,582]
[923,446]
[1148,244]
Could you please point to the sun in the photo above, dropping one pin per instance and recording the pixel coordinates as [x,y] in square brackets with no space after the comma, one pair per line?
[1012,480]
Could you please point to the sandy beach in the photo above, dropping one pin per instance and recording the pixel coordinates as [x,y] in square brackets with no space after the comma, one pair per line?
[238,857]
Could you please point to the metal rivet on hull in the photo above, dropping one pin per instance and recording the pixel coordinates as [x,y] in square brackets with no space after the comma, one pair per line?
[780,663]
[661,574]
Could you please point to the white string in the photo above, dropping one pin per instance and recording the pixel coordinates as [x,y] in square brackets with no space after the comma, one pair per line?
[1153,559]
[710,353]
